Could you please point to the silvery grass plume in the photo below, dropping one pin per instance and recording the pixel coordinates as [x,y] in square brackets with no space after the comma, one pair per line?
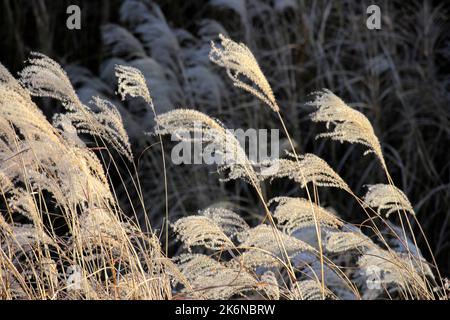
[340,241]
[349,124]
[293,214]
[308,168]
[397,269]
[8,81]
[262,247]
[270,285]
[387,198]
[201,231]
[45,78]
[238,60]
[213,228]
[211,279]
[230,222]
[24,237]
[221,143]
[132,83]
[309,290]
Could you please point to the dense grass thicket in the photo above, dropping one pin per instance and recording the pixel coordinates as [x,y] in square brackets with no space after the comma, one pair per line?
[92,206]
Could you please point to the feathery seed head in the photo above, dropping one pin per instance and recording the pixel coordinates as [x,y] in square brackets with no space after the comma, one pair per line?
[212,279]
[263,248]
[201,231]
[228,221]
[309,168]
[387,197]
[238,60]
[182,122]
[339,241]
[296,213]
[132,83]
[45,78]
[349,124]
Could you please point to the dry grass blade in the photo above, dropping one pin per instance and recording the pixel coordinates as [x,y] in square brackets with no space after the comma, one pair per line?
[309,290]
[270,285]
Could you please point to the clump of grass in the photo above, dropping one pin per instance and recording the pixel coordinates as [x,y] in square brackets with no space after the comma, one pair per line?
[395,76]
[64,236]
[405,275]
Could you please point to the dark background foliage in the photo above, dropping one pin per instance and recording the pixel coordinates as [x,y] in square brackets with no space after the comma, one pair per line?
[398,76]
